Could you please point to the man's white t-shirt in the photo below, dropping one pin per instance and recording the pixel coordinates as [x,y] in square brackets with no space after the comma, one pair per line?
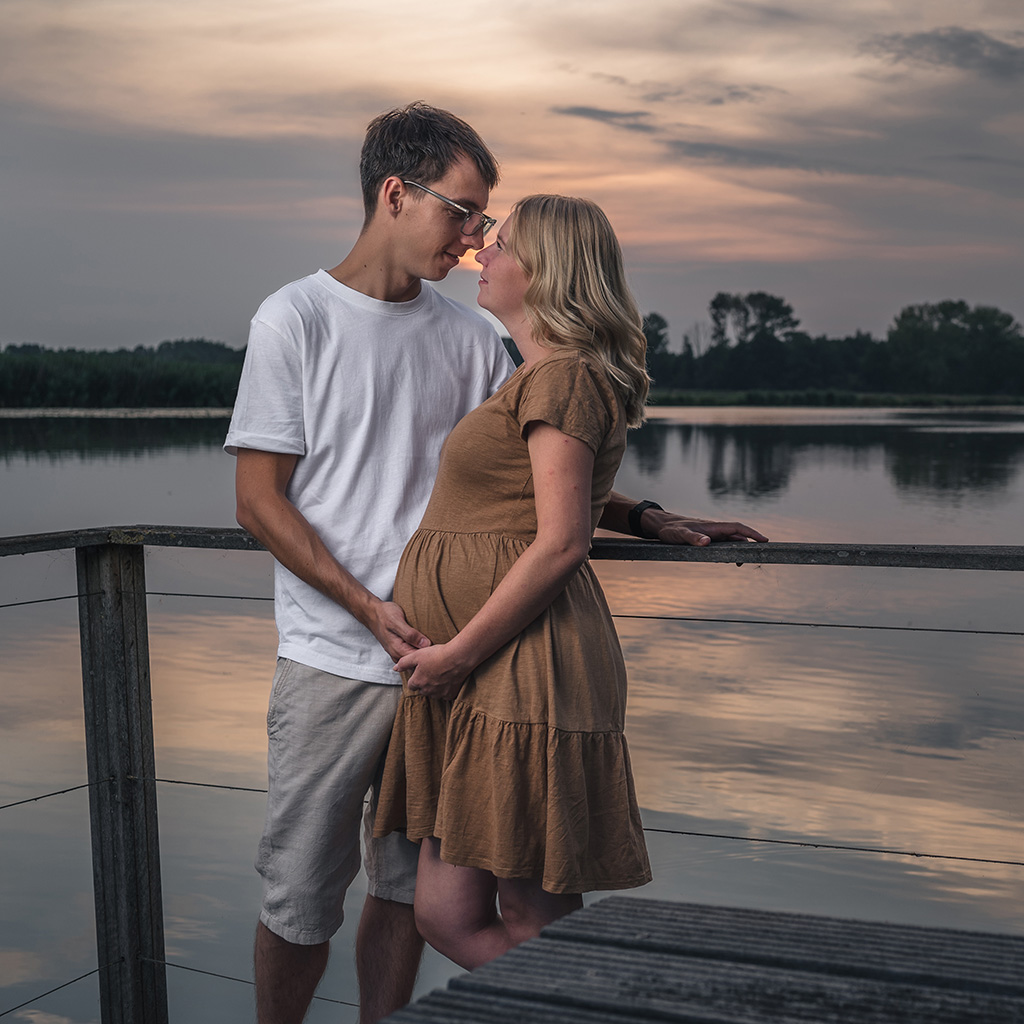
[365,392]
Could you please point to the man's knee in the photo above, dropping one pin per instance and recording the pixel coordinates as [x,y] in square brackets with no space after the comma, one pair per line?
[392,920]
[271,947]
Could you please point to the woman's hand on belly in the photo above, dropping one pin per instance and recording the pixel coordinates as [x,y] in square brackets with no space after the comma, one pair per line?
[435,672]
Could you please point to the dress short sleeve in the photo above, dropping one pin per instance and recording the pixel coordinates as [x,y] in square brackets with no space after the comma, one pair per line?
[571,394]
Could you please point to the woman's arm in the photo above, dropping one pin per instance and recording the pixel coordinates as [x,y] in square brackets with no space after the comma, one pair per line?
[563,469]
[671,527]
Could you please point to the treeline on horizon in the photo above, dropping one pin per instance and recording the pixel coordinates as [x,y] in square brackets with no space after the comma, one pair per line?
[754,352]
[755,345]
[190,373]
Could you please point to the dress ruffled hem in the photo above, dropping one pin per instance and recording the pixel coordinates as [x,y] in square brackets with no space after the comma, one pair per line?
[521,800]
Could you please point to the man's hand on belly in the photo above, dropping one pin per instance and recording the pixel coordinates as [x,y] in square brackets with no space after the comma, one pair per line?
[386,621]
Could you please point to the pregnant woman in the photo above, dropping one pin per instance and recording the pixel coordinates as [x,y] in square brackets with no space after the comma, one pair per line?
[507,759]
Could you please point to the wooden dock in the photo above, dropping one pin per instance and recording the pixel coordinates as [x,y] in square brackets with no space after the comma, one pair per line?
[624,960]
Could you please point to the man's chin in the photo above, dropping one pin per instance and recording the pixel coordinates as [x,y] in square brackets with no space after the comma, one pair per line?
[438,272]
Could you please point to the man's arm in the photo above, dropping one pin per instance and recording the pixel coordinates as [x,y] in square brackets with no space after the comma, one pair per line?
[263,508]
[670,527]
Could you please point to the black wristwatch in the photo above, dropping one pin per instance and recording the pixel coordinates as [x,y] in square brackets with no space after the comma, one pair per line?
[634,518]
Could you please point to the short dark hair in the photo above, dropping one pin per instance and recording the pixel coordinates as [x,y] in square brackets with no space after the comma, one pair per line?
[421,143]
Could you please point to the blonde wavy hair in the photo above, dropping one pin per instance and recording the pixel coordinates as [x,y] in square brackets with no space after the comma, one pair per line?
[578,296]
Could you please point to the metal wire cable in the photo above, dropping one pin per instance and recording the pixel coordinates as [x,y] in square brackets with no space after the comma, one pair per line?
[664,831]
[204,785]
[59,792]
[43,600]
[43,995]
[149,593]
[705,835]
[241,981]
[655,618]
[693,618]
[823,625]
[836,846]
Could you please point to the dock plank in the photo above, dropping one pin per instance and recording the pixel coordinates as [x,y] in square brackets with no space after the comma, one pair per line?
[932,956]
[625,960]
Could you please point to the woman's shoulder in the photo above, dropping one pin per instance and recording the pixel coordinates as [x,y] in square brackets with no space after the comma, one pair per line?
[571,390]
[572,371]
[564,364]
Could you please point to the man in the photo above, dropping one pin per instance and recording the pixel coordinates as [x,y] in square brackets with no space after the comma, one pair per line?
[353,378]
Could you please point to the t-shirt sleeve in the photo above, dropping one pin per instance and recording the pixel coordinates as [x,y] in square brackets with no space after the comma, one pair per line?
[572,396]
[268,413]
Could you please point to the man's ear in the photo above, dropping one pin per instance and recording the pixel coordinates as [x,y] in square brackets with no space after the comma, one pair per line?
[393,193]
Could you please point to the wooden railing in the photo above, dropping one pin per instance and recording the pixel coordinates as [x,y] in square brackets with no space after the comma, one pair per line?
[114,632]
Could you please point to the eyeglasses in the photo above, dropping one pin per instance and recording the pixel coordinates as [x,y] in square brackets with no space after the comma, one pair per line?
[474,221]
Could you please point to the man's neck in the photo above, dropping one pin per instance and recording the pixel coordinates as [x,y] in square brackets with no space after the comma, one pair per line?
[369,269]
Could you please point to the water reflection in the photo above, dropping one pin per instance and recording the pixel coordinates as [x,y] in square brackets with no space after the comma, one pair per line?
[865,737]
[55,438]
[937,456]
[974,463]
[648,445]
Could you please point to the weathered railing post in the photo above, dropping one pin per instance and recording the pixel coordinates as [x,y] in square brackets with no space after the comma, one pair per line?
[122,807]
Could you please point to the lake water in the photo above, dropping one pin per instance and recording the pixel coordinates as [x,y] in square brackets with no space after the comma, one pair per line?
[844,731]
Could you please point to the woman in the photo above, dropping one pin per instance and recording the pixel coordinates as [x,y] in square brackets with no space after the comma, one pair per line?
[507,760]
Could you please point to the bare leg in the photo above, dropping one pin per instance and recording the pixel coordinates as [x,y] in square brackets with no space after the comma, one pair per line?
[526,908]
[456,910]
[457,914]
[287,975]
[388,950]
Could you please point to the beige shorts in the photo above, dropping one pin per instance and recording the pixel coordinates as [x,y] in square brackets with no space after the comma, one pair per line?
[326,741]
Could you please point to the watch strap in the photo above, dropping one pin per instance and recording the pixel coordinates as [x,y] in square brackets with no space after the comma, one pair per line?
[634,518]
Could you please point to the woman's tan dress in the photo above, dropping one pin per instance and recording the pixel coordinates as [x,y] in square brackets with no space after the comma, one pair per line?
[526,773]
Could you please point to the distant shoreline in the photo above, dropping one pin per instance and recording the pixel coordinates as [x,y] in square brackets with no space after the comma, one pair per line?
[115,414]
[658,399]
[827,399]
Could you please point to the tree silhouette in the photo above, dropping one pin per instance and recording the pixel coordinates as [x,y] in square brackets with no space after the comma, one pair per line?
[662,364]
[947,346]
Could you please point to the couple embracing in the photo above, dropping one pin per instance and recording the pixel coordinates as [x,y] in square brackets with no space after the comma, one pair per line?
[379,430]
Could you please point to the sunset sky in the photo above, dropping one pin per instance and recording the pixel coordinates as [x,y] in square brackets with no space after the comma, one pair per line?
[166,164]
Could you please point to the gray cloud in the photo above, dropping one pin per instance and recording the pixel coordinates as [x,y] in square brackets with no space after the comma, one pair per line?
[708,94]
[981,158]
[712,152]
[630,120]
[760,14]
[603,76]
[716,96]
[747,156]
[669,27]
[908,136]
[953,47]
[662,92]
[865,146]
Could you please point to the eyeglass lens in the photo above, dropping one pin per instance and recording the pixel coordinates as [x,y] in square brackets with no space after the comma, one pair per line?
[477,222]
